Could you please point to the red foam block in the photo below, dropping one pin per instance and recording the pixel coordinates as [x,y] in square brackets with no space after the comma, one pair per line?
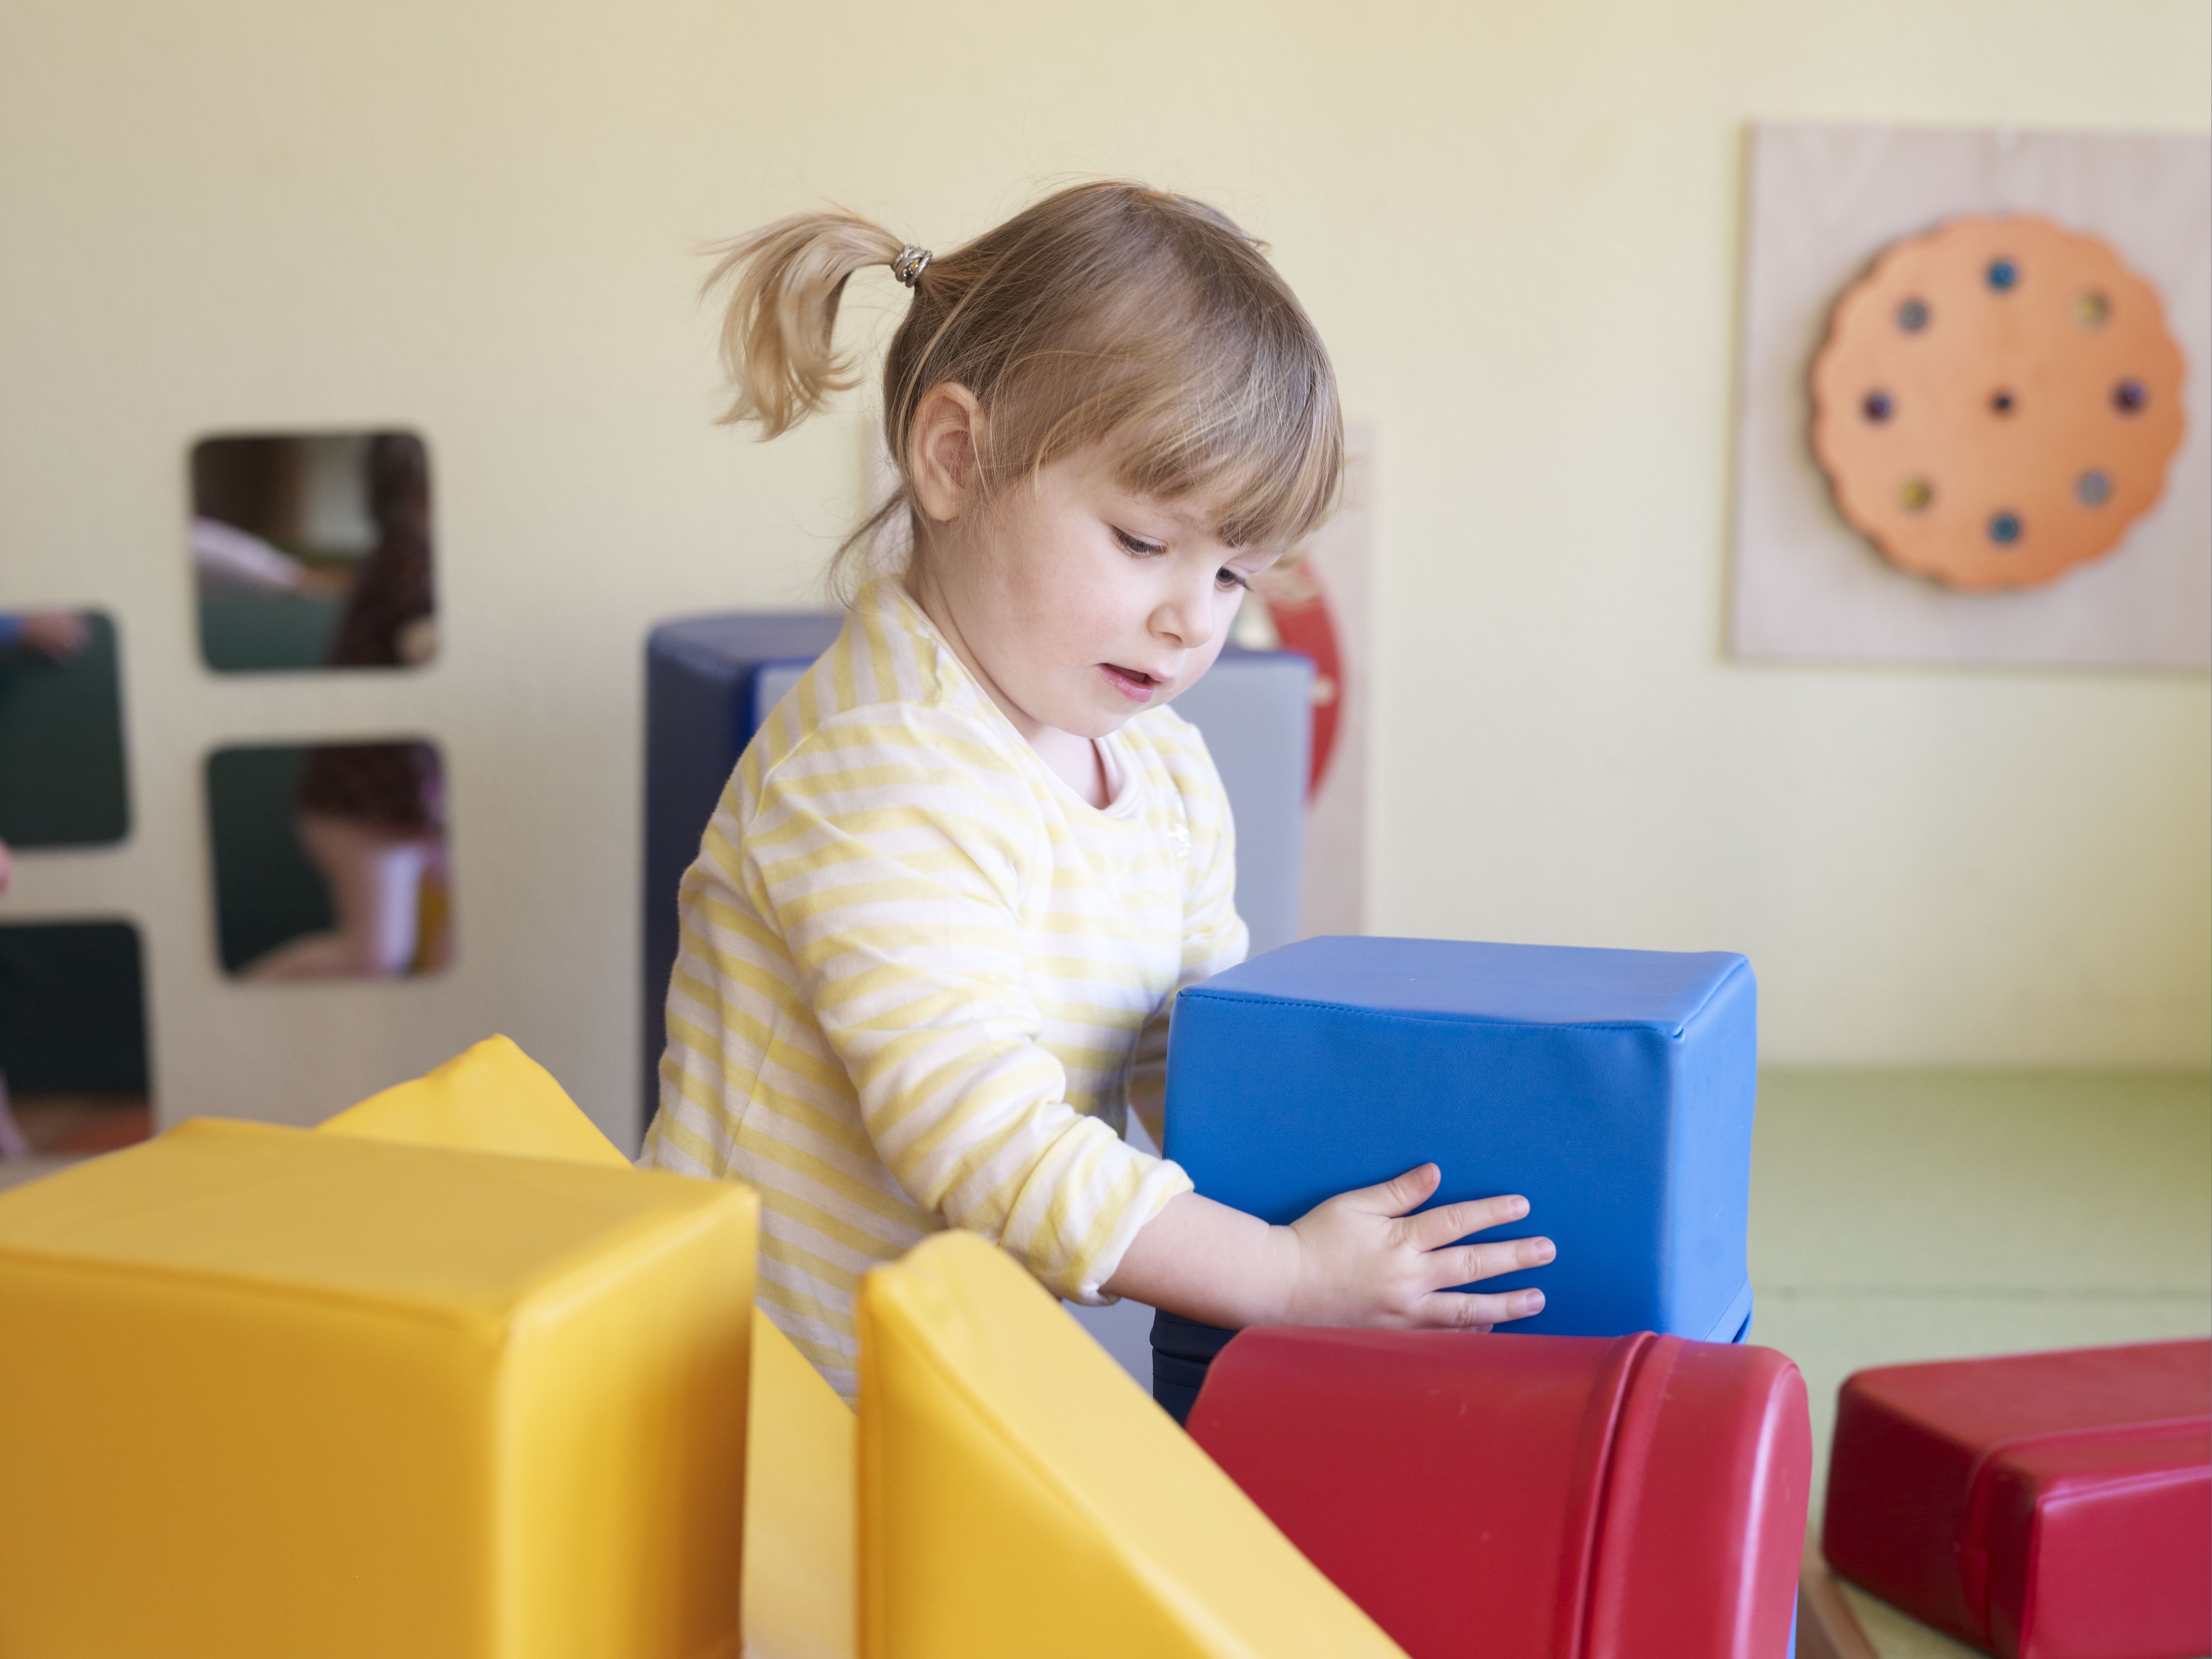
[2040,1506]
[1550,1497]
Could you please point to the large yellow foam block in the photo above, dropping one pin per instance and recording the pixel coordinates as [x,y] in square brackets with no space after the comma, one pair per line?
[1019,1495]
[275,1392]
[798,1570]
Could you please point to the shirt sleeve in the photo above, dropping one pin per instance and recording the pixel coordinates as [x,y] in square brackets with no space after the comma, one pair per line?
[893,851]
[1214,937]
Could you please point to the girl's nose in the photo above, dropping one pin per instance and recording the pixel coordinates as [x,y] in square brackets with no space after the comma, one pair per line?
[1187,616]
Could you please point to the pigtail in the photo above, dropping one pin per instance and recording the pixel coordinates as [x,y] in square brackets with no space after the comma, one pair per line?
[784,281]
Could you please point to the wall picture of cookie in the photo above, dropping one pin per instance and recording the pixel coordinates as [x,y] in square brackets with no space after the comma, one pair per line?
[2020,481]
[1996,401]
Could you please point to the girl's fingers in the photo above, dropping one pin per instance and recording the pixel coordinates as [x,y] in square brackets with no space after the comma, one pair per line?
[1470,1263]
[1394,1196]
[1452,1221]
[1465,1310]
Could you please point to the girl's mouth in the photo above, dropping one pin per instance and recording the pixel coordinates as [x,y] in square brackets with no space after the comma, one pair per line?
[1133,684]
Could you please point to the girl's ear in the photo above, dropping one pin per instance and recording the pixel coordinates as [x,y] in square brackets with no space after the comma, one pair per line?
[944,449]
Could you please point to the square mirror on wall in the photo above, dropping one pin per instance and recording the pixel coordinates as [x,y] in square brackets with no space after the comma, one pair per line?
[61,730]
[331,860]
[313,551]
[73,1054]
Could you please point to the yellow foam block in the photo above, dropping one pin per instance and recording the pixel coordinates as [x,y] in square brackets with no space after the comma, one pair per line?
[799,1566]
[491,1097]
[276,1393]
[1019,1495]
[800,1544]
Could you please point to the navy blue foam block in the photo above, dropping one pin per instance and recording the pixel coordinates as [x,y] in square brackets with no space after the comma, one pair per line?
[702,680]
[1613,1088]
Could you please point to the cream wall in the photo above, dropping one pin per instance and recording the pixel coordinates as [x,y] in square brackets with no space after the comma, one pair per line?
[1517,227]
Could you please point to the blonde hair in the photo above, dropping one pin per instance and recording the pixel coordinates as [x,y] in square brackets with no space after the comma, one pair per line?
[1106,312]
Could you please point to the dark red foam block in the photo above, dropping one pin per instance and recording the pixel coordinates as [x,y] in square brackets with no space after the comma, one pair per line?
[1541,1496]
[2040,1506]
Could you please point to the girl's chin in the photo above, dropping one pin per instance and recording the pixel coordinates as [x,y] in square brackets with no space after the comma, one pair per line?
[1086,720]
[1098,722]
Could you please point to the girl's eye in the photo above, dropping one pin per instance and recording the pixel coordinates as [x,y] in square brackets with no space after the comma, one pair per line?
[1136,545]
[1228,581]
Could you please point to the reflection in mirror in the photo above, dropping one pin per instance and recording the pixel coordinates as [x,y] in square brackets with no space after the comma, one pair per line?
[72,1042]
[61,730]
[313,551]
[330,862]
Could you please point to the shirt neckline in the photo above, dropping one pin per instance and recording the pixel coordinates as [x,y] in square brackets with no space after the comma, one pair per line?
[1124,777]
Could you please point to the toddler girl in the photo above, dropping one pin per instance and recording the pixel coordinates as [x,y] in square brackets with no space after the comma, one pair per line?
[938,918]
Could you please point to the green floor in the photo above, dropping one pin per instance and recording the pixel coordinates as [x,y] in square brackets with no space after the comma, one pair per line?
[1901,1216]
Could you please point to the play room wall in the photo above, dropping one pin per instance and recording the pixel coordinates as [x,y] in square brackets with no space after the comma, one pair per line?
[1517,226]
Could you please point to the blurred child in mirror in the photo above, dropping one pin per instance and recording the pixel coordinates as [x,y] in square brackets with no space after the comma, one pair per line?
[372,816]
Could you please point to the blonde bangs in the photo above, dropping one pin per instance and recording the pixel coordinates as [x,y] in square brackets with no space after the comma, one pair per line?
[1269,469]
[1243,419]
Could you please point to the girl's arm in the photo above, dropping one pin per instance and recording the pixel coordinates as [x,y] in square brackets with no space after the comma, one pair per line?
[887,855]
[1358,1259]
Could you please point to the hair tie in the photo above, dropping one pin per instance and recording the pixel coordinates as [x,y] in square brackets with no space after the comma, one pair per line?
[909,265]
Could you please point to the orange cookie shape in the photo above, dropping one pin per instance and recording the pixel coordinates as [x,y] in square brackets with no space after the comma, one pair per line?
[1996,401]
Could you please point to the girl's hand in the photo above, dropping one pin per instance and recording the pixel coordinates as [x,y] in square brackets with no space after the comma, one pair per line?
[1361,1259]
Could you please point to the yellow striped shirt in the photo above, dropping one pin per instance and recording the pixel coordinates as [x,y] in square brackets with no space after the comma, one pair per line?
[922,979]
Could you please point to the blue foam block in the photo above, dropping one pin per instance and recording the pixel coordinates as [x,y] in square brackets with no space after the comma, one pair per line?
[1613,1088]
